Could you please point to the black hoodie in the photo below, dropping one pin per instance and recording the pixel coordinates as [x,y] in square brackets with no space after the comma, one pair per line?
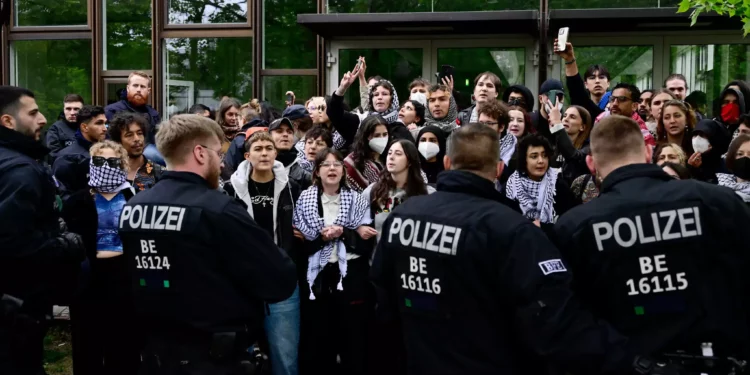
[528,97]
[711,163]
[432,169]
[741,101]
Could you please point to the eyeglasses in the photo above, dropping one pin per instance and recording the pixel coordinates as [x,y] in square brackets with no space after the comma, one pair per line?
[321,108]
[328,164]
[99,161]
[218,153]
[621,99]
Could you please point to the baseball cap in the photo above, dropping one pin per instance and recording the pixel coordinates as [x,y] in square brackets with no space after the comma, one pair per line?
[278,122]
[295,111]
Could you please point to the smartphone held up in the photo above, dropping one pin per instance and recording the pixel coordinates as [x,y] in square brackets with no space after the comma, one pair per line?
[562,39]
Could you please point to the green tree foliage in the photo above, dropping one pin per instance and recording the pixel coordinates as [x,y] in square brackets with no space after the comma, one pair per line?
[53,69]
[392,6]
[128,34]
[288,45]
[275,88]
[732,8]
[207,11]
[50,12]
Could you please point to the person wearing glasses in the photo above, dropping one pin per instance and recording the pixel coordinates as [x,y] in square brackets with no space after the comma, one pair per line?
[329,215]
[201,268]
[624,102]
[101,347]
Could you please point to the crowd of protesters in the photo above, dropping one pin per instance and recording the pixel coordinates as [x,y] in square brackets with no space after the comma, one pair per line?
[321,178]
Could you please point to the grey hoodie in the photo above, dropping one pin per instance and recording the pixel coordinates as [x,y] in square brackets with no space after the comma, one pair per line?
[240,182]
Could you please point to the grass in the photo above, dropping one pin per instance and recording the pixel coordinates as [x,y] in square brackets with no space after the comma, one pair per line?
[58,351]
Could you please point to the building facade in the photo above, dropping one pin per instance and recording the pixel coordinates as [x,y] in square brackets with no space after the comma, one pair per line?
[199,51]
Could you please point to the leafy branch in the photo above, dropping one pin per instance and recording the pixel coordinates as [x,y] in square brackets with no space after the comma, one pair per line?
[732,8]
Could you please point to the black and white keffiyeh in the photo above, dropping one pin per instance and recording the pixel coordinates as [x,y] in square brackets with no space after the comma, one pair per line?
[536,198]
[106,179]
[391,114]
[507,147]
[308,221]
[338,141]
[740,188]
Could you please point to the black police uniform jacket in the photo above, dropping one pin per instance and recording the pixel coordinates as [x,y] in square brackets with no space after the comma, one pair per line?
[71,166]
[476,284]
[664,261]
[36,264]
[198,260]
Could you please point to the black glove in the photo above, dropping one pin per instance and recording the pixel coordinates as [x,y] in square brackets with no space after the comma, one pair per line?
[74,244]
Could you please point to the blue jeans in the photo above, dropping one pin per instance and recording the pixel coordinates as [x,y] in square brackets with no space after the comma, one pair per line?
[282,329]
[153,154]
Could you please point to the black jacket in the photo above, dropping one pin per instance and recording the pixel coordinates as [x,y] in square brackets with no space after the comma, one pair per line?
[60,135]
[464,117]
[528,97]
[612,248]
[344,122]
[71,168]
[149,113]
[490,284]
[574,160]
[711,161]
[580,96]
[198,261]
[36,264]
[433,169]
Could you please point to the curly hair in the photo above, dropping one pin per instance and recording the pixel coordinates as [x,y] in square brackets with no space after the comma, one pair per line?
[96,149]
[121,123]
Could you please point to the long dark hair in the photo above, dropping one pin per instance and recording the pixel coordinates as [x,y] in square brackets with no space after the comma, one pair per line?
[414,183]
[319,159]
[361,151]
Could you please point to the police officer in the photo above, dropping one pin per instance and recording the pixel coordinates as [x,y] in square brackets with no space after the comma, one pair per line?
[475,283]
[201,266]
[664,261]
[39,259]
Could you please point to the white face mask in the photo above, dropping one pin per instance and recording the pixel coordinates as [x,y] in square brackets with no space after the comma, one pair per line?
[428,149]
[378,144]
[700,144]
[418,96]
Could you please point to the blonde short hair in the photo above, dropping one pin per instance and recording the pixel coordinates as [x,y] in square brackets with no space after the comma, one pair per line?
[178,136]
[141,74]
[120,151]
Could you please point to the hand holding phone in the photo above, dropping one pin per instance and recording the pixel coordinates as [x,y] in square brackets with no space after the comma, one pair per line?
[445,72]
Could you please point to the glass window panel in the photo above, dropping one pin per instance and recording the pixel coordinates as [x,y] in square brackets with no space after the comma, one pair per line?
[630,64]
[203,11]
[275,88]
[52,69]
[589,4]
[113,91]
[393,6]
[127,34]
[287,45]
[398,65]
[708,68]
[203,70]
[50,12]
[508,63]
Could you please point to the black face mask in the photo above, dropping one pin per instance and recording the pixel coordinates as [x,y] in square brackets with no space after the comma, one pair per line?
[741,168]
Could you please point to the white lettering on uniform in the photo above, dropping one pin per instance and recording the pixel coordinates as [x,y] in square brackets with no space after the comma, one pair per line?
[685,221]
[439,238]
[168,218]
[552,266]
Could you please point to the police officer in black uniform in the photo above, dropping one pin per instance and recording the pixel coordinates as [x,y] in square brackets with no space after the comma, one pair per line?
[664,261]
[476,284]
[201,267]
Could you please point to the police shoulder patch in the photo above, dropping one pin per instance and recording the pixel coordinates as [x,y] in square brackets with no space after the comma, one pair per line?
[552,266]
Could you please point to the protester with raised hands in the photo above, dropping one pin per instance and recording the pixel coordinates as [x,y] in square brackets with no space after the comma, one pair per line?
[442,110]
[344,122]
[317,106]
[569,144]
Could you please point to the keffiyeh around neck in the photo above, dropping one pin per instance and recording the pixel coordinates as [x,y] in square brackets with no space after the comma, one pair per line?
[740,188]
[391,114]
[536,198]
[308,221]
[447,123]
[230,131]
[508,147]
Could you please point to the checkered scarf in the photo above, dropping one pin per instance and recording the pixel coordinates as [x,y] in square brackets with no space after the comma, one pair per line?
[536,198]
[507,147]
[106,179]
[740,188]
[447,123]
[391,114]
[308,221]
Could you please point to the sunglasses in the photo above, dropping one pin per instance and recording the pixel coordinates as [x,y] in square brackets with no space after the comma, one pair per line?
[99,161]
